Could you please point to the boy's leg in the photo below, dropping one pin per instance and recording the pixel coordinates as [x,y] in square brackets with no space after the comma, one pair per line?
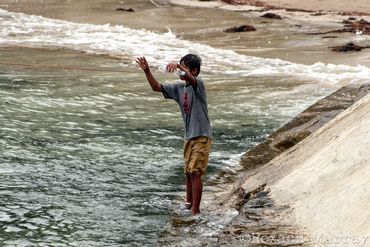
[196,152]
[189,192]
[197,186]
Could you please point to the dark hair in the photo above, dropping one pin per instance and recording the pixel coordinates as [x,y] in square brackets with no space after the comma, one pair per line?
[192,61]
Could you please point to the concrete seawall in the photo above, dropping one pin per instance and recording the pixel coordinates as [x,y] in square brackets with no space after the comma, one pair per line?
[316,192]
[329,187]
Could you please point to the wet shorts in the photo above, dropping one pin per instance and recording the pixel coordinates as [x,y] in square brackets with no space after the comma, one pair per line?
[196,152]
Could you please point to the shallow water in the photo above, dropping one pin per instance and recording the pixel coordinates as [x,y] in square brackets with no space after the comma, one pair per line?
[91,159]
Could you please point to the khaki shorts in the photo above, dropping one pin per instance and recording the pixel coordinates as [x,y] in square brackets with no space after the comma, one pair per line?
[196,152]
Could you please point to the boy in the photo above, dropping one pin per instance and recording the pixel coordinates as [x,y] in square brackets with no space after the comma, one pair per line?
[192,99]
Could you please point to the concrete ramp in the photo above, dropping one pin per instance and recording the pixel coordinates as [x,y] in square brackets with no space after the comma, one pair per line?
[329,187]
[314,193]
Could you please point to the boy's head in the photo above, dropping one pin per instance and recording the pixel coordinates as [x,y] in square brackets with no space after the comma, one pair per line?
[192,62]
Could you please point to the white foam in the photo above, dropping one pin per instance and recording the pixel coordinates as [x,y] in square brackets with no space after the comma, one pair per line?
[125,43]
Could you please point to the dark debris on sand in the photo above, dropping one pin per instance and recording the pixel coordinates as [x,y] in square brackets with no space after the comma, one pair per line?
[348,47]
[125,10]
[272,16]
[351,25]
[242,28]
[361,25]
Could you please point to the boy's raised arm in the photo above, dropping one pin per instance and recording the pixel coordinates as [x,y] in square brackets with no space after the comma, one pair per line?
[143,64]
[188,77]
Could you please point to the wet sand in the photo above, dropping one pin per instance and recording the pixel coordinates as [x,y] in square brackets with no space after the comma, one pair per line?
[327,5]
[286,39]
[289,39]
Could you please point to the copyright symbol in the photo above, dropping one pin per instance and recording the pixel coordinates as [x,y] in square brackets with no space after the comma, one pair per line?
[246,238]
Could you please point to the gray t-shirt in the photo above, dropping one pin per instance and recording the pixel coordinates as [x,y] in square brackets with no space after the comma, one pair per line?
[193,106]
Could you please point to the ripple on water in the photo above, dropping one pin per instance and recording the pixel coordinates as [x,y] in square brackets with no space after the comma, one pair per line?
[89,165]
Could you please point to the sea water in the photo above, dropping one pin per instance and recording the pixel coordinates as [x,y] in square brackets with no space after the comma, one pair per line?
[90,156]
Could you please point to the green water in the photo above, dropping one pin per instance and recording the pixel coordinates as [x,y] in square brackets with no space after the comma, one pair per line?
[93,158]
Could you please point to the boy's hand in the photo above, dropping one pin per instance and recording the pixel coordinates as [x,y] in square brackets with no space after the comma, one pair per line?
[143,64]
[171,67]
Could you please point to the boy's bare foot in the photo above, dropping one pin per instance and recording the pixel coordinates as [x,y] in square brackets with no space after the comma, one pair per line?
[195,212]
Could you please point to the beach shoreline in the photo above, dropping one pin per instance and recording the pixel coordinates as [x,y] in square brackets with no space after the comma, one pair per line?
[288,39]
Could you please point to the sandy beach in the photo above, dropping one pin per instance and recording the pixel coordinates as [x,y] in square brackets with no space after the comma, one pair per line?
[286,39]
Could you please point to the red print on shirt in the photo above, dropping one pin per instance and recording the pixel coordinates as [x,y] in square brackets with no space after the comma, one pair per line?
[186,103]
